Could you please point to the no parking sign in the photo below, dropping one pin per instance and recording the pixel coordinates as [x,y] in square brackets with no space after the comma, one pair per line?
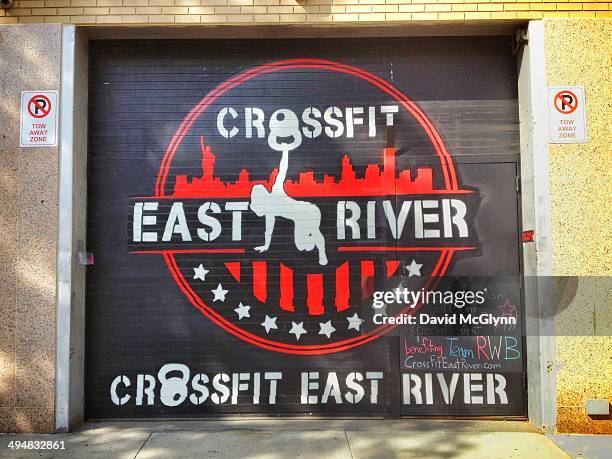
[38,119]
[566,114]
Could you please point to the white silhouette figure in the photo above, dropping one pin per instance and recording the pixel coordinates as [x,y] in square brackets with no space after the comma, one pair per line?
[306,216]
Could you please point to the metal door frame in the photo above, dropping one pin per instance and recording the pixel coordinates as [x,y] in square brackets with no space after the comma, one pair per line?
[535,201]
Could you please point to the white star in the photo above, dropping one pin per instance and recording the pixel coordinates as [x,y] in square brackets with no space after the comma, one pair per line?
[297,329]
[354,322]
[327,329]
[200,272]
[269,323]
[219,293]
[243,311]
[414,269]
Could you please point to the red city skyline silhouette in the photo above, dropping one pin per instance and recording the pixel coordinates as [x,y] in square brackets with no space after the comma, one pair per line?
[373,183]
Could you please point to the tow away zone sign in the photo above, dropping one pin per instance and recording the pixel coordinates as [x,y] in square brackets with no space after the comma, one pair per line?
[38,119]
[566,114]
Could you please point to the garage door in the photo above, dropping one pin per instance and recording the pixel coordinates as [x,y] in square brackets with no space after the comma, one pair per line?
[304,226]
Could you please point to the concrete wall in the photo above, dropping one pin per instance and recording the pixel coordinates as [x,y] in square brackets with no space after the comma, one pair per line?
[30,57]
[293,11]
[578,52]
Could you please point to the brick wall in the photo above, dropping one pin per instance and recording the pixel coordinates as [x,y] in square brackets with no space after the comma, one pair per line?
[293,11]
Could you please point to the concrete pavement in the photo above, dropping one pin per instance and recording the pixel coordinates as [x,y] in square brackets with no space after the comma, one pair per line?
[280,438]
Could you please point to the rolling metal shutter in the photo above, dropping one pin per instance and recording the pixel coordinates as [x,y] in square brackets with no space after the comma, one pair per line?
[248,199]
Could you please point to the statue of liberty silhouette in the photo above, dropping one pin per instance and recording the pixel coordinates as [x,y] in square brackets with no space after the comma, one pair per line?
[306,216]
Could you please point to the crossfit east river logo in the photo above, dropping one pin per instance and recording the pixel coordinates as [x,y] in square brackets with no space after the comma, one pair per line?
[292,192]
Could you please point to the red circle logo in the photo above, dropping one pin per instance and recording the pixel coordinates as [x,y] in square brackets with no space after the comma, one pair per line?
[268,319]
[566,102]
[39,106]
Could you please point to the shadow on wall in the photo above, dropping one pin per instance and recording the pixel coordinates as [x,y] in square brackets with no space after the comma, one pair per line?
[28,197]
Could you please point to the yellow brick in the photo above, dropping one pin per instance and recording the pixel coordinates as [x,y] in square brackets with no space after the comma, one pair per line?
[346,17]
[43,11]
[214,18]
[437,8]
[466,7]
[109,2]
[337,9]
[504,15]
[29,19]
[9,20]
[70,11]
[451,16]
[371,2]
[136,3]
[299,9]
[30,4]
[161,2]
[385,8]
[19,12]
[200,10]
[82,19]
[570,7]
[124,10]
[318,18]
[187,19]
[83,3]
[292,18]
[542,6]
[108,19]
[358,9]
[274,2]
[556,14]
[478,15]
[267,18]
[491,7]
[227,10]
[411,8]
[604,14]
[161,19]
[188,3]
[243,18]
[134,19]
[398,16]
[372,17]
[503,1]
[240,2]
[96,11]
[57,3]
[582,14]
[290,2]
[424,16]
[175,10]
[517,7]
[148,10]
[280,9]
[529,15]
[589,6]
[57,19]
[253,9]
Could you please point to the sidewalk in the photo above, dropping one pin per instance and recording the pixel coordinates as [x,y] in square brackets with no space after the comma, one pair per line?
[280,438]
